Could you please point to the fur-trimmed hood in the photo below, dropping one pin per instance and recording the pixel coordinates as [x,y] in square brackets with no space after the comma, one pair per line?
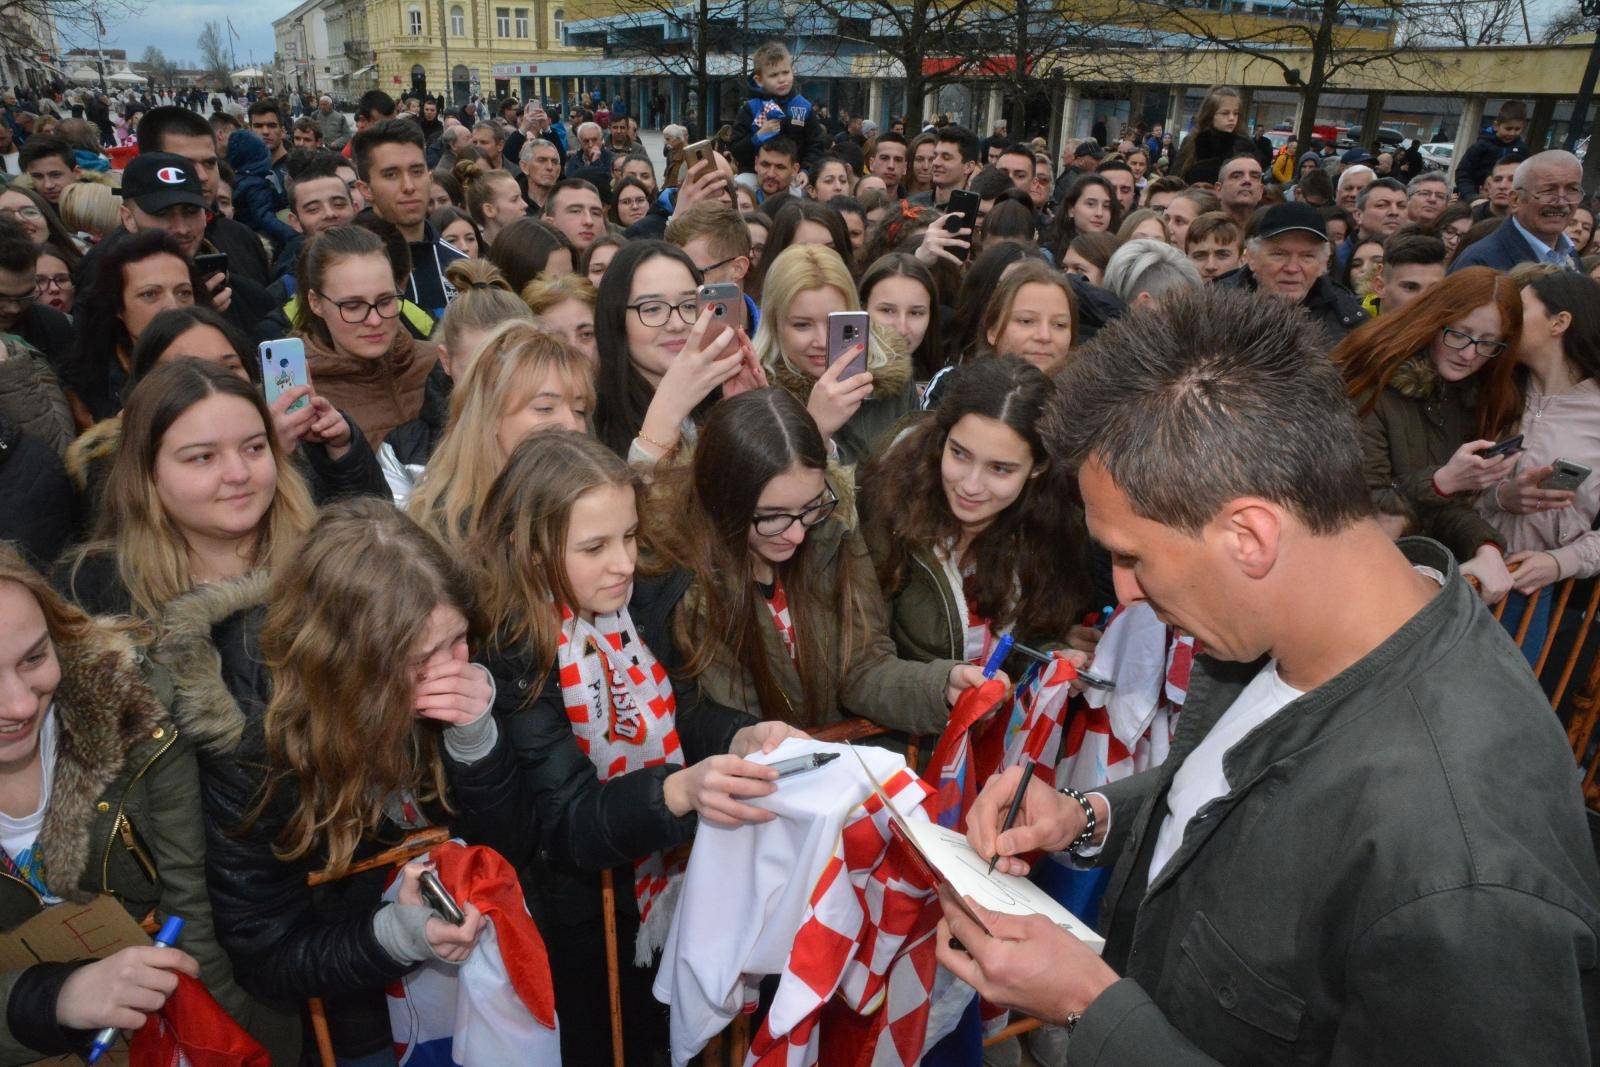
[110,727]
[98,444]
[202,705]
[888,361]
[1417,379]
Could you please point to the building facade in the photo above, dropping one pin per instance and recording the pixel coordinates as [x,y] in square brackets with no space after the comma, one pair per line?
[303,59]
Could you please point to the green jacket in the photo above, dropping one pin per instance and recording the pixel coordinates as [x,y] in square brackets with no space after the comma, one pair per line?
[1401,873]
[123,818]
[874,684]
[1416,425]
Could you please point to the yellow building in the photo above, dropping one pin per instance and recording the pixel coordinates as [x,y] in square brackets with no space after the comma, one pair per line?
[450,47]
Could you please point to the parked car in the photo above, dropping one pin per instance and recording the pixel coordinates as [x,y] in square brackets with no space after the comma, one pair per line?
[1387,137]
[1437,156]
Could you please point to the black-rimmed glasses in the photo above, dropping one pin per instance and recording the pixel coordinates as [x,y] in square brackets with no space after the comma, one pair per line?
[656,312]
[771,525]
[1460,342]
[356,311]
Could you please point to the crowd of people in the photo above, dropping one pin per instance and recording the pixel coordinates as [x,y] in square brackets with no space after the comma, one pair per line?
[548,543]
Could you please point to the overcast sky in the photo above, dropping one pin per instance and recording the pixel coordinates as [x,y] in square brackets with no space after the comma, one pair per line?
[174,25]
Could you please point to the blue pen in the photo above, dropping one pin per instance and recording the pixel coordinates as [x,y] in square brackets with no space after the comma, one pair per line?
[1002,649]
[170,931]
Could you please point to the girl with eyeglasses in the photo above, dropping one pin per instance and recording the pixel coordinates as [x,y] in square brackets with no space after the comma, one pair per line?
[617,751]
[358,354]
[658,372]
[53,274]
[630,202]
[1435,386]
[781,614]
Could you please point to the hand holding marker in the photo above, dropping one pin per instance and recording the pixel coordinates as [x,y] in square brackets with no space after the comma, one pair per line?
[171,930]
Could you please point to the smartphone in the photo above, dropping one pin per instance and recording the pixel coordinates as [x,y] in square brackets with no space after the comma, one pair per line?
[724,302]
[439,898]
[963,203]
[845,330]
[1509,447]
[211,263]
[1567,476]
[696,152]
[283,367]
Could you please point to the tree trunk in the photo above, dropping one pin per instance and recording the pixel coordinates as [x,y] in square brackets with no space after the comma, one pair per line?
[1578,125]
[916,88]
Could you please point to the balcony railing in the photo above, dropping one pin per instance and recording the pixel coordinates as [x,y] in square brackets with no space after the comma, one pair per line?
[357,48]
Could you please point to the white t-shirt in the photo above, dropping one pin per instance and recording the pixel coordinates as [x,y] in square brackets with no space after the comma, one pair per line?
[20,837]
[1201,779]
[9,161]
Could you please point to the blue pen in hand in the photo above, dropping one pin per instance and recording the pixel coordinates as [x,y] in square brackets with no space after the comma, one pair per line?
[170,931]
[1002,649]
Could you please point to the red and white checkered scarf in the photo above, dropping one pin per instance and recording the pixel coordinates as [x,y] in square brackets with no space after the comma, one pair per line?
[867,936]
[778,606]
[624,715]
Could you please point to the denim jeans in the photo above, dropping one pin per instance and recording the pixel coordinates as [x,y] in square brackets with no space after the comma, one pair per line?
[1516,606]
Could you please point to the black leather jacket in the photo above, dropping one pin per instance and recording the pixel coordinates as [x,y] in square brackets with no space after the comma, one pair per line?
[584,825]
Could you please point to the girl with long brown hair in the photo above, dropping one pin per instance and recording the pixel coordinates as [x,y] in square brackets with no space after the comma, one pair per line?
[973,531]
[338,712]
[617,758]
[200,491]
[782,615]
[1435,386]
[1216,135]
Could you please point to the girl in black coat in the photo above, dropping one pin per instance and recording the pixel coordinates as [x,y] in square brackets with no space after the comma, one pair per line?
[334,718]
[617,758]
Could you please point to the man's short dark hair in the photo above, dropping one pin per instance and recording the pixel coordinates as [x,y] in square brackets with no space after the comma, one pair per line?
[1230,394]
[1512,111]
[375,104]
[990,182]
[1316,183]
[221,120]
[18,254]
[307,125]
[1394,185]
[965,140]
[160,121]
[1166,183]
[307,165]
[266,107]
[1019,149]
[1251,156]
[891,138]
[39,148]
[562,186]
[848,205]
[389,131]
[782,146]
[1111,165]
[1412,249]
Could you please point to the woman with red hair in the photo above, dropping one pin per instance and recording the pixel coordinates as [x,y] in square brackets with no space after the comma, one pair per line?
[1435,387]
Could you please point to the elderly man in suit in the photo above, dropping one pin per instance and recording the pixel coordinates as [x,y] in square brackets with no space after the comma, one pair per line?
[1546,189]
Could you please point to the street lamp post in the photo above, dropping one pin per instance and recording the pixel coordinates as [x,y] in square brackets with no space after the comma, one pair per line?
[444,39]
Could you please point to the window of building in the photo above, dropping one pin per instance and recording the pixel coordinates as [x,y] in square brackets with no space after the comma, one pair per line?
[414,22]
[522,22]
[502,21]
[458,22]
[560,20]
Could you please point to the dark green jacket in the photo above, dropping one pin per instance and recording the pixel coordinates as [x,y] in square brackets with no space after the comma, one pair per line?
[123,818]
[1416,425]
[1401,873]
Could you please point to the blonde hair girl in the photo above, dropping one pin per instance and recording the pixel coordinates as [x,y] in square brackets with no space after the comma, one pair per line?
[805,284]
[200,490]
[523,379]
[493,198]
[564,304]
[484,302]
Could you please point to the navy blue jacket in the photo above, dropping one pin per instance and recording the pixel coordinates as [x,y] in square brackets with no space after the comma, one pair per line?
[1502,250]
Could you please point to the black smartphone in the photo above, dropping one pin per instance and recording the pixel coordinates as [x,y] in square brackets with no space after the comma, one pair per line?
[439,899]
[1509,447]
[211,263]
[963,206]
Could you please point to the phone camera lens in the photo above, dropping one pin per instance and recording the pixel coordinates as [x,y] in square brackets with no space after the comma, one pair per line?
[283,362]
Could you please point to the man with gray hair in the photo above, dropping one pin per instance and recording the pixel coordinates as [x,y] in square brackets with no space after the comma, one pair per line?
[1545,189]
[1351,182]
[335,125]
[592,160]
[1141,272]
[1288,257]
[1427,195]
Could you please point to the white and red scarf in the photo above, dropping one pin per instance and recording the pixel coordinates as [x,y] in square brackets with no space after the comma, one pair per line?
[624,715]
[778,607]
[978,637]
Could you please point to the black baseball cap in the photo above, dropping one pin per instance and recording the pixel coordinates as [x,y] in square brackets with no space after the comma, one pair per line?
[1291,217]
[1089,147]
[158,180]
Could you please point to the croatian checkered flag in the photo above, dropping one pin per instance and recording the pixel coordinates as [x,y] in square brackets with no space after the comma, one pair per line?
[867,936]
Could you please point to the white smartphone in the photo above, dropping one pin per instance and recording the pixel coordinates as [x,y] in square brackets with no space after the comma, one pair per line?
[283,367]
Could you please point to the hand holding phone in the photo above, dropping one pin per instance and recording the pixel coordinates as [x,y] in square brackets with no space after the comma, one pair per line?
[1565,477]
[437,897]
[1509,447]
[283,367]
[849,337]
[724,303]
[963,205]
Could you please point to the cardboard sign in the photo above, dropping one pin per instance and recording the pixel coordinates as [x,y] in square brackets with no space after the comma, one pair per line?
[65,932]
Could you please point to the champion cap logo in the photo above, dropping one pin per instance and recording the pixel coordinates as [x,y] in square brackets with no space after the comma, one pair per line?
[171,176]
